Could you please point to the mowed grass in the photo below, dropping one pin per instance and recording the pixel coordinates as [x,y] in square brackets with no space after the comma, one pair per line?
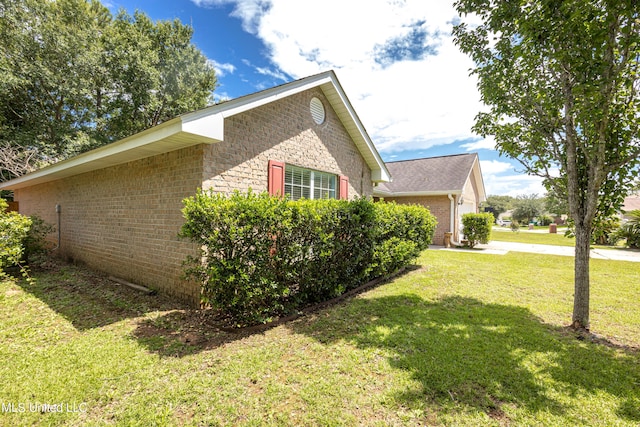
[526,236]
[464,339]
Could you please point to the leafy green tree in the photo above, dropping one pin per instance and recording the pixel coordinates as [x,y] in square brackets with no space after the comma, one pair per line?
[73,77]
[561,82]
[527,207]
[555,205]
[498,204]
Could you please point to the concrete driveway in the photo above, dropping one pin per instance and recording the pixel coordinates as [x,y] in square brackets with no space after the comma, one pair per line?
[501,248]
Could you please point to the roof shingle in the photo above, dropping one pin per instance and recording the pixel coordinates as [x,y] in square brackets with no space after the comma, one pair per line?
[429,175]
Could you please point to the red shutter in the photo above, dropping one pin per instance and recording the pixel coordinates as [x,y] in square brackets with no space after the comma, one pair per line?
[276,178]
[344,187]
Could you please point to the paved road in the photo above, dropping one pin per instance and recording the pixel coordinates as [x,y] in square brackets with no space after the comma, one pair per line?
[501,248]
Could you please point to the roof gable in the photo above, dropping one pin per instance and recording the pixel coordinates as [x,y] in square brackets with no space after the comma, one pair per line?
[432,176]
[207,126]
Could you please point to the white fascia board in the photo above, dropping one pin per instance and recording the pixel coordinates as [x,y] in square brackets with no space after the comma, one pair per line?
[144,144]
[379,171]
[415,193]
[476,174]
[249,102]
[480,179]
[209,126]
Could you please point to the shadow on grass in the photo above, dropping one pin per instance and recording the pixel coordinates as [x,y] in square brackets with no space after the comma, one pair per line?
[184,332]
[89,300]
[469,355]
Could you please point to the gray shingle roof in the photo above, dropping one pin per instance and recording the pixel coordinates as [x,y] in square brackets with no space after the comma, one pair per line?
[430,175]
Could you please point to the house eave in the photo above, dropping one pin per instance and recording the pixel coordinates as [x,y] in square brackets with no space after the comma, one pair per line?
[169,136]
[379,193]
[206,126]
[332,89]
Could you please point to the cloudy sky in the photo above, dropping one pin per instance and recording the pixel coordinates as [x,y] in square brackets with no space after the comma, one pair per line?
[394,58]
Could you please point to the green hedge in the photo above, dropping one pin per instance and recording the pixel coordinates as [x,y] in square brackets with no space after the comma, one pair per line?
[477,228]
[264,257]
[14,228]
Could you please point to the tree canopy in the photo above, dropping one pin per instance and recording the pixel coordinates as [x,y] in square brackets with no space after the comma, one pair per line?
[74,77]
[527,208]
[560,79]
[498,204]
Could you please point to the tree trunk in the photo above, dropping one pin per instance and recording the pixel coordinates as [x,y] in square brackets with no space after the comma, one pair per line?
[581,281]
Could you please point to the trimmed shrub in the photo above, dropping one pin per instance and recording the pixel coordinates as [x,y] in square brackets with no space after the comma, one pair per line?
[264,257]
[13,230]
[477,228]
[404,232]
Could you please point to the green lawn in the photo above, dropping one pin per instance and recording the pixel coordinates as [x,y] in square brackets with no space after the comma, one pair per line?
[525,236]
[466,339]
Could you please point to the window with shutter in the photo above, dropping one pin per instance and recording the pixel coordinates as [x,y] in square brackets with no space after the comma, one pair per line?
[309,184]
[275,178]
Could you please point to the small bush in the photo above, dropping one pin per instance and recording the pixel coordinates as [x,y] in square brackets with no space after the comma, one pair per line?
[404,232]
[265,257]
[604,231]
[35,243]
[545,220]
[13,230]
[477,228]
[629,231]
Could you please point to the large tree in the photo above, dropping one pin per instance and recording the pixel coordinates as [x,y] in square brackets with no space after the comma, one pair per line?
[73,77]
[560,79]
[498,204]
[527,207]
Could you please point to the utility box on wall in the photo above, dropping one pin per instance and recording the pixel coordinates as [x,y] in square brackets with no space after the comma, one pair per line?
[13,207]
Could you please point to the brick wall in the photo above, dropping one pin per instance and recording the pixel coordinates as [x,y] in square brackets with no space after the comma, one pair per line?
[440,207]
[283,131]
[124,220]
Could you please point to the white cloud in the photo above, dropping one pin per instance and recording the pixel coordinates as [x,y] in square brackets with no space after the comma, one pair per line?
[271,73]
[221,69]
[407,99]
[220,97]
[488,143]
[513,185]
[410,99]
[493,167]
[249,11]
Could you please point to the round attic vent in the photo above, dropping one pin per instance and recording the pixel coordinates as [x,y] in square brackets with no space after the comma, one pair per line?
[317,110]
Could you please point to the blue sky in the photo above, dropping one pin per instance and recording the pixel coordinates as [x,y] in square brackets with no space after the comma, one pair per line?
[394,58]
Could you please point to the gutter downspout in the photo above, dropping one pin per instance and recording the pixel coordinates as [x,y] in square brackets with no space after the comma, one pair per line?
[452,220]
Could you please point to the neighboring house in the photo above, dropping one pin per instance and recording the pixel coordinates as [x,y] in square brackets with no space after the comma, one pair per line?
[119,206]
[631,203]
[449,186]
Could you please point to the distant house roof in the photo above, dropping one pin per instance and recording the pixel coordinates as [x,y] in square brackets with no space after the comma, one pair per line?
[432,176]
[207,126]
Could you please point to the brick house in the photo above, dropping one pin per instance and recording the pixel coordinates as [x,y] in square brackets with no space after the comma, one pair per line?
[119,206]
[449,186]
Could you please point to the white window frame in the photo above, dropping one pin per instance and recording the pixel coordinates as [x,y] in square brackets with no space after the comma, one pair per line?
[315,189]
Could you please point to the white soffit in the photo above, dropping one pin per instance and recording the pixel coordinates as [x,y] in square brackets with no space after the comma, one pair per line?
[169,136]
